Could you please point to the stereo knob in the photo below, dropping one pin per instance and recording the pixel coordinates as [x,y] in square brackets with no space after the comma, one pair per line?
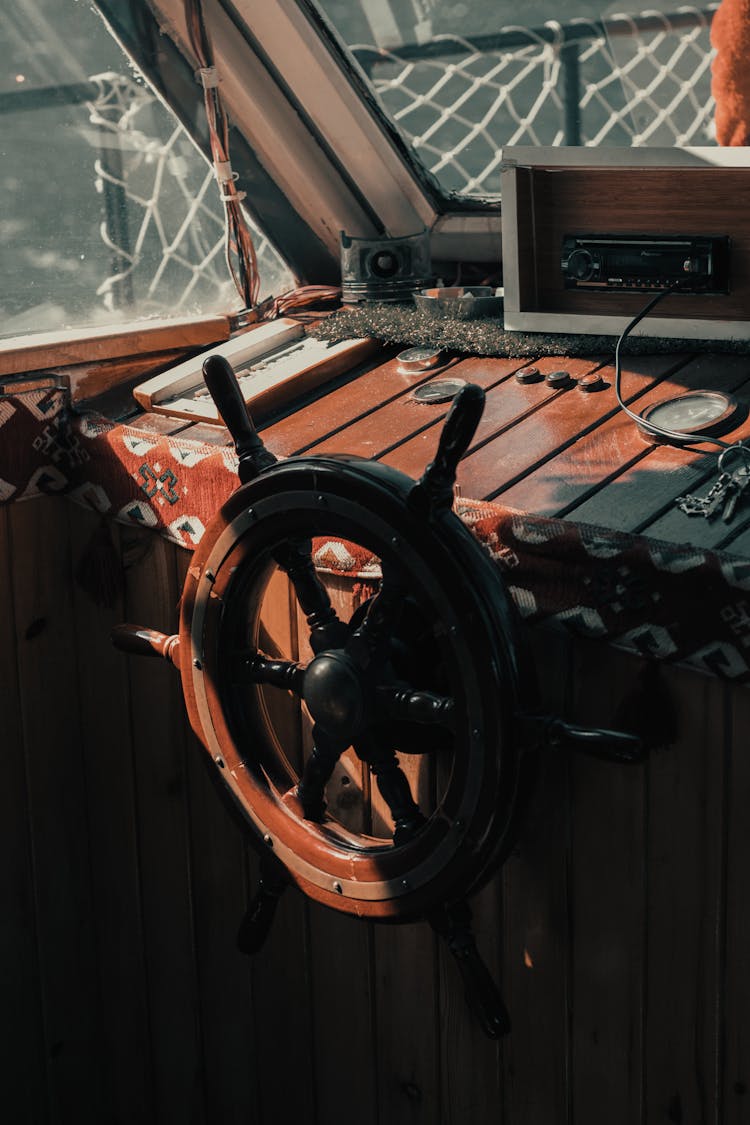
[581,265]
[590,382]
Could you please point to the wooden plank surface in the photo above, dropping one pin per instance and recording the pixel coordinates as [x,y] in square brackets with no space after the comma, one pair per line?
[112,814]
[75,346]
[219,895]
[281,971]
[607,897]
[640,495]
[45,634]
[159,744]
[22,1054]
[537,923]
[686,783]
[735,1007]
[352,402]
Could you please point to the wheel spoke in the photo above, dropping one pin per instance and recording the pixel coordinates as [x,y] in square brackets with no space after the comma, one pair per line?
[317,772]
[326,630]
[255,668]
[407,704]
[370,641]
[394,788]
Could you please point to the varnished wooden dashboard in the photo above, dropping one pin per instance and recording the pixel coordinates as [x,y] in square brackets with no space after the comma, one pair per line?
[552,452]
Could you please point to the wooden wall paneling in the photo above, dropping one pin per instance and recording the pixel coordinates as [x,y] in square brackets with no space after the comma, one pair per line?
[281,971]
[345,1046]
[22,1056]
[607,897]
[470,1071]
[344,999]
[735,1079]
[685,907]
[406,988]
[106,743]
[471,1075]
[219,898]
[45,635]
[159,740]
[406,1024]
[598,195]
[536,945]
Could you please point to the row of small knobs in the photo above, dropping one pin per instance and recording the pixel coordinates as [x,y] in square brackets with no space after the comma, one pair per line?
[560,380]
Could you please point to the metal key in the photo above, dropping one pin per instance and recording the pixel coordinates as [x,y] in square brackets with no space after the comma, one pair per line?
[710,504]
[739,481]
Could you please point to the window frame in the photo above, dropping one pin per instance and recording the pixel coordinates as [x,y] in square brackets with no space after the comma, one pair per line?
[341,166]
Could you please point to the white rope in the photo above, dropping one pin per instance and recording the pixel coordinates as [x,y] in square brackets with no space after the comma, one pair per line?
[153,181]
[637,88]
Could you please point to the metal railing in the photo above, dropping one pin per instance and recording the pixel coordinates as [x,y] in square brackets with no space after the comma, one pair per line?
[628,80]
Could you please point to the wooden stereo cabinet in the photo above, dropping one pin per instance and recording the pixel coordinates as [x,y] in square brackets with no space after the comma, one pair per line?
[549,193]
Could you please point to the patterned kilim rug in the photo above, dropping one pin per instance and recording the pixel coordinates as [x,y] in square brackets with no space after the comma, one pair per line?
[626,589]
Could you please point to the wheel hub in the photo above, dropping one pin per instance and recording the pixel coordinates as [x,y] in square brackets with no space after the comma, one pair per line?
[333,690]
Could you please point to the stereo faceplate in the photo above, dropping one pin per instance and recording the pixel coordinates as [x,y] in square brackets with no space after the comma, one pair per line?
[638,263]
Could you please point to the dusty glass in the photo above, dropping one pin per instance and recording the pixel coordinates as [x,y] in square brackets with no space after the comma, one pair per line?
[109,212]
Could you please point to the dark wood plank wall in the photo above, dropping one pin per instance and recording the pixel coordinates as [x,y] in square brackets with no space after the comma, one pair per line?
[619,927]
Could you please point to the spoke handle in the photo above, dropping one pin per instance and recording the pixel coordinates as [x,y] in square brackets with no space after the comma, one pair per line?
[453,925]
[224,389]
[140,640]
[403,702]
[458,430]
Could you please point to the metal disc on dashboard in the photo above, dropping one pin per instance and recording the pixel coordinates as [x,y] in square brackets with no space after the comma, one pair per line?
[442,390]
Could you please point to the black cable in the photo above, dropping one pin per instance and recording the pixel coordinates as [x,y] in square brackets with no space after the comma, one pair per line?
[642,423]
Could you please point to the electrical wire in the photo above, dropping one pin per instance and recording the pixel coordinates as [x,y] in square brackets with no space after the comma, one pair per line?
[239,249]
[678,436]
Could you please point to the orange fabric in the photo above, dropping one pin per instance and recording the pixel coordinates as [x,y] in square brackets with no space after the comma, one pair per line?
[730,35]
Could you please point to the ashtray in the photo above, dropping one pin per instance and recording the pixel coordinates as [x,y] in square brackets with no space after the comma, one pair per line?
[460,302]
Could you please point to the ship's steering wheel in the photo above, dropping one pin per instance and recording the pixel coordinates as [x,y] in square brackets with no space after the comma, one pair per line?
[429,661]
[429,665]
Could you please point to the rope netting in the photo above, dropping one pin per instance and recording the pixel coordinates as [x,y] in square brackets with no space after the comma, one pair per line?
[164,224]
[627,80]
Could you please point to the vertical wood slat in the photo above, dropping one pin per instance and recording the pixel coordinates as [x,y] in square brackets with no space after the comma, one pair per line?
[406,1024]
[684,906]
[536,976]
[281,970]
[735,1077]
[607,901]
[219,898]
[159,741]
[22,1058]
[106,743]
[341,958]
[470,1064]
[58,814]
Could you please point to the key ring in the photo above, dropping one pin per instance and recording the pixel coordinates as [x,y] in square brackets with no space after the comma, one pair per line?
[739,448]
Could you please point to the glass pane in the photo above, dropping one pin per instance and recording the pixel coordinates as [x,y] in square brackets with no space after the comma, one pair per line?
[463,79]
[109,212]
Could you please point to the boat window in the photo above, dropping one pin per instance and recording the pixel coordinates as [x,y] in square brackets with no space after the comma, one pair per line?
[110,213]
[462,79]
